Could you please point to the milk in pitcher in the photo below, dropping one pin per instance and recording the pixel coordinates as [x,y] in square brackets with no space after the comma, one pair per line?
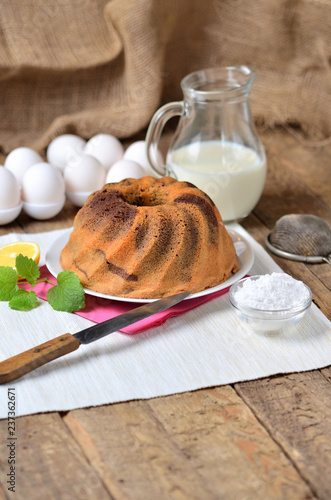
[232,175]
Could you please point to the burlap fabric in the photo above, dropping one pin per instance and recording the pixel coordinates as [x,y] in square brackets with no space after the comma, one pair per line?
[90,66]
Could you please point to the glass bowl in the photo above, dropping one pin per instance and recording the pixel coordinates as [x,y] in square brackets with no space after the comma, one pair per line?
[264,319]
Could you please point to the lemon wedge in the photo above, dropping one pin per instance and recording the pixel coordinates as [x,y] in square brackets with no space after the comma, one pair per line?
[10,251]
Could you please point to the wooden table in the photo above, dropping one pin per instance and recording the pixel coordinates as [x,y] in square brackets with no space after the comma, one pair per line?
[264,439]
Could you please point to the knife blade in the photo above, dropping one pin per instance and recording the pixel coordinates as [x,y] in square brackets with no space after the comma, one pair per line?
[27,361]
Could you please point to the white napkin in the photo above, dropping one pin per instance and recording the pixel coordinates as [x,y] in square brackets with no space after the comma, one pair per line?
[207,346]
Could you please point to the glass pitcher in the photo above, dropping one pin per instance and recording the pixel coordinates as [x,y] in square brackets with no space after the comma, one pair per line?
[215,146]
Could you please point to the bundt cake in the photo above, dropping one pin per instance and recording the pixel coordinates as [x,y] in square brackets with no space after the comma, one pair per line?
[149,238]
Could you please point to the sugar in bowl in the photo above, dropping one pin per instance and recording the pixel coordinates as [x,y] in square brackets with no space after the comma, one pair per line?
[270,302]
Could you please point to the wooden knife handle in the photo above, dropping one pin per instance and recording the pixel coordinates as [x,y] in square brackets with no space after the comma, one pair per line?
[27,361]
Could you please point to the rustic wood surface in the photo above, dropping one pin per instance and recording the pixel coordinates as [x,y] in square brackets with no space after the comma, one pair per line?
[257,440]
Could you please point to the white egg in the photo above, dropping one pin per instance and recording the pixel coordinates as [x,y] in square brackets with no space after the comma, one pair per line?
[10,194]
[85,174]
[20,159]
[43,183]
[106,148]
[137,152]
[124,169]
[63,149]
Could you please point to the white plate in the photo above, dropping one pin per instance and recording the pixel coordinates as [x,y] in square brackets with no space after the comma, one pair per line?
[244,252]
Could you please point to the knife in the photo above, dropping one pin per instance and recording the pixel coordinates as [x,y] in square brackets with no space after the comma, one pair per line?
[27,361]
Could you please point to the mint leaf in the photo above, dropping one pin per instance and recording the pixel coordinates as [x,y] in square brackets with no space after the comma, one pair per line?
[8,282]
[23,300]
[68,295]
[27,268]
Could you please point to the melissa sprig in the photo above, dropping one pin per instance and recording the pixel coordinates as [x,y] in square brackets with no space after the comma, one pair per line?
[65,295]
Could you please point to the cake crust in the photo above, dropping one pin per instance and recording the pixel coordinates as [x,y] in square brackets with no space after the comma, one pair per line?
[149,238]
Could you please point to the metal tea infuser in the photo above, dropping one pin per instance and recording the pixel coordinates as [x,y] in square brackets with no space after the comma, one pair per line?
[301,237]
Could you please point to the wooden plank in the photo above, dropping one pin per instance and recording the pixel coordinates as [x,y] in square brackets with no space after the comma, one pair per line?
[287,192]
[2,491]
[204,444]
[296,410]
[326,372]
[49,463]
[228,447]
[297,182]
[308,160]
[134,455]
[13,227]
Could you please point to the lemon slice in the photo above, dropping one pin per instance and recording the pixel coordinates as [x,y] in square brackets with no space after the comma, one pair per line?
[9,252]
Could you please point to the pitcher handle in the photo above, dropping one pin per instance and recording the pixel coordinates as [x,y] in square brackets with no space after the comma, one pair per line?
[156,126]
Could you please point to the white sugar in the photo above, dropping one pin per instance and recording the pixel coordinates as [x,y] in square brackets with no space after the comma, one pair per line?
[272,292]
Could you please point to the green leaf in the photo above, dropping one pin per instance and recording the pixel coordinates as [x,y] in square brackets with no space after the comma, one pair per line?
[8,282]
[23,300]
[27,268]
[68,295]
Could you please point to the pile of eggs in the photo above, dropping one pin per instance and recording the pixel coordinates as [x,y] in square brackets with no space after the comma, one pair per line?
[74,169]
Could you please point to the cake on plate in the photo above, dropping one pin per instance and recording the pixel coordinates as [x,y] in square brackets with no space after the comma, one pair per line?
[149,238]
